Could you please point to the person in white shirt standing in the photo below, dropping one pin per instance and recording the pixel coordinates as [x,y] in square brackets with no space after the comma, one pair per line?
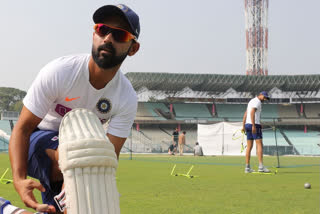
[89,81]
[252,127]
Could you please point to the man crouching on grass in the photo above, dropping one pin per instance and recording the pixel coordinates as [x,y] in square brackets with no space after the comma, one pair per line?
[87,81]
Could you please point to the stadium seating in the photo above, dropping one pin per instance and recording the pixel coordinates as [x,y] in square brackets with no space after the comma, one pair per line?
[5,126]
[189,111]
[151,107]
[312,110]
[305,143]
[287,111]
[270,140]
[146,111]
[5,130]
[3,145]
[232,112]
[224,112]
[269,111]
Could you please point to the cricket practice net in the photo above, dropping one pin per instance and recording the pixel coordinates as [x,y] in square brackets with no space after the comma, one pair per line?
[222,139]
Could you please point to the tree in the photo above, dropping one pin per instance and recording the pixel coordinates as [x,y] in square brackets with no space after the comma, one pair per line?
[11,99]
[18,106]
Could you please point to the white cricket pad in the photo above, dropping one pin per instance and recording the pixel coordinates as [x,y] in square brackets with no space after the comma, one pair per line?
[88,162]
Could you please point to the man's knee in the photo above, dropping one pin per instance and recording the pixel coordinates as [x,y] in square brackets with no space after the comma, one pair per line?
[56,174]
[249,143]
[259,142]
[53,154]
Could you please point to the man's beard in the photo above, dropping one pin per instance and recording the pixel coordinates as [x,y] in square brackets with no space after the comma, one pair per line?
[106,61]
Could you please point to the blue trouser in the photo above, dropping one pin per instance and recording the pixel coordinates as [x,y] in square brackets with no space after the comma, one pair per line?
[250,135]
[39,164]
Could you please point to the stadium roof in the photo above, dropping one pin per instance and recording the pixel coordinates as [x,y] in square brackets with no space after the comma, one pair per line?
[216,83]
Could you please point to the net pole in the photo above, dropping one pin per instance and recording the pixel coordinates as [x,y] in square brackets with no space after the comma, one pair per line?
[275,137]
[130,147]
[223,137]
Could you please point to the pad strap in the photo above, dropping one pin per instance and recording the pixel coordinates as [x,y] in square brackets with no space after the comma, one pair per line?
[61,200]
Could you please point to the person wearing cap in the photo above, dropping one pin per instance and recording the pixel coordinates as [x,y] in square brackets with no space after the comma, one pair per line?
[91,81]
[252,127]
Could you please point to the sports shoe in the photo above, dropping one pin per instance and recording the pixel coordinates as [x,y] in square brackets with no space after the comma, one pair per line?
[263,169]
[248,170]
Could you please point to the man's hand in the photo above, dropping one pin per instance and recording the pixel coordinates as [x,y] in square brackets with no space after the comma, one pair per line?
[243,130]
[25,189]
[254,129]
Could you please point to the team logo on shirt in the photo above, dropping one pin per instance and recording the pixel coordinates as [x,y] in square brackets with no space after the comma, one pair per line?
[55,138]
[104,105]
[71,99]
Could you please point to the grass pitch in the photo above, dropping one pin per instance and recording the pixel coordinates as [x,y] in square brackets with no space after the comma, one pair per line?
[146,186]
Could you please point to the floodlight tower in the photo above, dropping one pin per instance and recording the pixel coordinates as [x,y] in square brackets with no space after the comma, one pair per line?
[256,13]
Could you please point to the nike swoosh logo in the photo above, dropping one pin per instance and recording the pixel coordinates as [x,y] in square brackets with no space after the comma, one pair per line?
[71,99]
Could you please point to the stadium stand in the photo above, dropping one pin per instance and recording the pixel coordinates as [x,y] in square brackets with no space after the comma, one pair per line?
[157,107]
[153,138]
[222,82]
[269,111]
[145,144]
[305,143]
[287,111]
[156,139]
[312,110]
[3,144]
[151,111]
[269,138]
[230,95]
[274,143]
[284,114]
[147,140]
[5,132]
[5,126]
[145,112]
[231,112]
[185,111]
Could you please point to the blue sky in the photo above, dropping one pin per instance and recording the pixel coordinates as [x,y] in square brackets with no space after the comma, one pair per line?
[181,36]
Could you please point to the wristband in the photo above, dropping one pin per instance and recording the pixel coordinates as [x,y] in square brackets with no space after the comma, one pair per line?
[3,203]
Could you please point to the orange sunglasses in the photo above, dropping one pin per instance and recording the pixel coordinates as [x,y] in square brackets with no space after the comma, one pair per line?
[118,34]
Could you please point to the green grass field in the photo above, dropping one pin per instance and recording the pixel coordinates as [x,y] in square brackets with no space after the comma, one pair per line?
[146,186]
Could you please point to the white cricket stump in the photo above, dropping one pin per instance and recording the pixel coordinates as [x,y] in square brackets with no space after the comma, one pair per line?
[88,162]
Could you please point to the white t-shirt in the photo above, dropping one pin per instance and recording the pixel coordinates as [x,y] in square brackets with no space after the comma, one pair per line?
[254,103]
[198,150]
[63,84]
